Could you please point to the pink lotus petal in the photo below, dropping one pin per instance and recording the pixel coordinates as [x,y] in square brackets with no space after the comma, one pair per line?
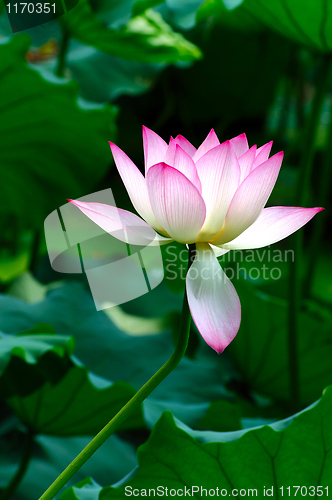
[184,164]
[177,158]
[249,199]
[176,202]
[240,144]
[262,154]
[213,301]
[273,224]
[121,224]
[219,173]
[154,148]
[185,145]
[179,142]
[170,153]
[135,184]
[246,161]
[210,142]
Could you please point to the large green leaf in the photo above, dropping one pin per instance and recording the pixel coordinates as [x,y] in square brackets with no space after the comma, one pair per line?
[29,359]
[33,344]
[87,489]
[260,349]
[103,77]
[116,356]
[309,22]
[33,376]
[52,147]
[145,38]
[80,404]
[289,453]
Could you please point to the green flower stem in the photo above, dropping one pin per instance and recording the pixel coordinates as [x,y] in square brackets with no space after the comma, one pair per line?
[134,402]
[60,69]
[25,459]
[295,284]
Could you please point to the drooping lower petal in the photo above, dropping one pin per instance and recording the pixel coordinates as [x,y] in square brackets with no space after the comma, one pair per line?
[249,199]
[219,173]
[273,224]
[121,224]
[213,301]
[176,202]
[135,184]
[154,148]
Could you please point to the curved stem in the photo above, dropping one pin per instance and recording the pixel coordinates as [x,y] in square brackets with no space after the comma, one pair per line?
[133,403]
[25,459]
[295,284]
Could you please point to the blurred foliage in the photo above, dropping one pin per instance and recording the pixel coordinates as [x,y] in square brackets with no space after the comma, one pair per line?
[145,38]
[310,26]
[260,349]
[47,136]
[32,358]
[86,404]
[176,66]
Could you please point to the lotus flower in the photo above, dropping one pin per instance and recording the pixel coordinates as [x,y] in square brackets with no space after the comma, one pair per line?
[213,196]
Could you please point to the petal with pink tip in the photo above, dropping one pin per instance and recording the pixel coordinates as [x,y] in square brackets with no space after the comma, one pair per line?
[170,153]
[177,158]
[219,173]
[154,148]
[262,154]
[246,161]
[210,142]
[171,150]
[249,199]
[135,184]
[185,145]
[213,301]
[273,224]
[121,224]
[184,164]
[176,202]
[240,144]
